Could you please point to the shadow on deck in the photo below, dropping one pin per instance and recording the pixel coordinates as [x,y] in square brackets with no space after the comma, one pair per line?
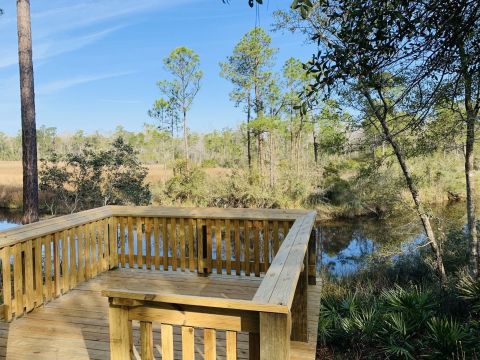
[75,326]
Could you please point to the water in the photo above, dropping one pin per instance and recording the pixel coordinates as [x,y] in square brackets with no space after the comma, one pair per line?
[9,219]
[345,243]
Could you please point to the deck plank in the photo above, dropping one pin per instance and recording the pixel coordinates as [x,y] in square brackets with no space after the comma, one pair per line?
[75,326]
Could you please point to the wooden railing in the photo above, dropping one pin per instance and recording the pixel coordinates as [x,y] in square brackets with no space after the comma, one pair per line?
[209,240]
[276,314]
[45,260]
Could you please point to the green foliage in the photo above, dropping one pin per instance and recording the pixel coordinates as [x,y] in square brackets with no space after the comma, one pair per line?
[184,65]
[396,309]
[188,185]
[246,191]
[469,289]
[92,178]
[399,323]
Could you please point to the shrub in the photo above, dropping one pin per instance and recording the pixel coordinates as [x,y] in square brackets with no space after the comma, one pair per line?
[92,178]
[188,185]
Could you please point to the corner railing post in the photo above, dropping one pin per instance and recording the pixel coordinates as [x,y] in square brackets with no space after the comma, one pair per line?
[120,333]
[275,332]
[312,258]
[203,268]
[112,240]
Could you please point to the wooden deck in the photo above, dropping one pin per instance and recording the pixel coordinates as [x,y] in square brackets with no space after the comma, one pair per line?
[75,326]
[159,282]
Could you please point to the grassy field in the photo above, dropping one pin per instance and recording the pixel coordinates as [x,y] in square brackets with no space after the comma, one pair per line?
[11,180]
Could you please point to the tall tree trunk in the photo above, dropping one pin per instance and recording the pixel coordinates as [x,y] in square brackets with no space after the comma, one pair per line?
[249,134]
[471,217]
[425,219]
[469,161]
[27,97]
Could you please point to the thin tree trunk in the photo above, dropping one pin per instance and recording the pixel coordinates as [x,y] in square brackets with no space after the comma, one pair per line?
[185,135]
[249,136]
[260,152]
[427,226]
[27,96]
[315,147]
[272,177]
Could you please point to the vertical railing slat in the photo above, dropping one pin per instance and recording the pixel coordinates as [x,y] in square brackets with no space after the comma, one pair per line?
[146,340]
[210,344]
[209,245]
[156,242]
[188,343]
[148,243]
[247,246]
[231,345]
[228,248]
[276,241]
[191,246]
[256,247]
[131,255]
[200,241]
[65,277]
[173,242]
[73,260]
[48,267]
[122,241]
[29,295]
[57,286]
[7,282]
[238,269]
[81,252]
[218,243]
[167,342]
[181,235]
[38,272]
[165,243]
[266,245]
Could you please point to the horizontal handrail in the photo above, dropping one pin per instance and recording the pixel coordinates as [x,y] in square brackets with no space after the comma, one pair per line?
[202,301]
[280,282]
[207,212]
[45,227]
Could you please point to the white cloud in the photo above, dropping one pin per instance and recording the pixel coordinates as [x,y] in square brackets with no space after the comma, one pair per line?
[61,17]
[50,48]
[55,25]
[63,84]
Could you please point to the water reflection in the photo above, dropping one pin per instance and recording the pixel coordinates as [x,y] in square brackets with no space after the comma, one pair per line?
[9,218]
[345,243]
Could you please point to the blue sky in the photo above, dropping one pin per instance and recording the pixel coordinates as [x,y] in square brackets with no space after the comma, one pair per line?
[97,61]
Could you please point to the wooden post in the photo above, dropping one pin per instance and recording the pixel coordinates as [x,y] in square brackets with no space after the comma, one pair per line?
[120,341]
[203,267]
[112,240]
[146,340]
[275,336]
[299,308]
[312,258]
